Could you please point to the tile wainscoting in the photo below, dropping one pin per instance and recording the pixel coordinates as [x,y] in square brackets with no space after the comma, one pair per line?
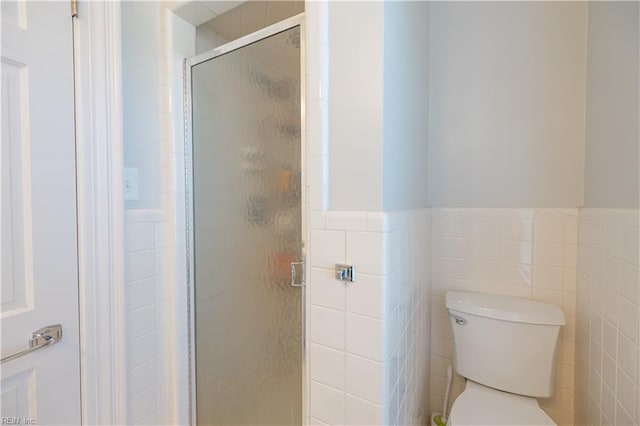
[369,339]
[528,253]
[607,345]
[145,247]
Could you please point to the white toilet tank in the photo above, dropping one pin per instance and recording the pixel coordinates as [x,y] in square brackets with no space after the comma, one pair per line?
[505,342]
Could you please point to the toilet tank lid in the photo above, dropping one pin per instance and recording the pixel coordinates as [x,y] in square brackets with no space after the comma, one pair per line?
[504,308]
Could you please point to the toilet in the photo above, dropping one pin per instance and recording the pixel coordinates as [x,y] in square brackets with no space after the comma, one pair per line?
[505,349]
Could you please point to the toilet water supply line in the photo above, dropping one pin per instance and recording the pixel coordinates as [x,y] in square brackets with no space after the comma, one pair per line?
[441,420]
[445,411]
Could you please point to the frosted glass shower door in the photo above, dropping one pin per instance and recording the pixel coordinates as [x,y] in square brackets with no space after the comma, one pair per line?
[246,233]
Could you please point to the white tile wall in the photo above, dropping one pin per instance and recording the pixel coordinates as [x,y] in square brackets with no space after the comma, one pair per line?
[179,42]
[369,339]
[608,300]
[529,253]
[144,246]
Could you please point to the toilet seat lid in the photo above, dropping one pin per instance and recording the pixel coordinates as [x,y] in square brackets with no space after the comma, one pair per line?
[479,405]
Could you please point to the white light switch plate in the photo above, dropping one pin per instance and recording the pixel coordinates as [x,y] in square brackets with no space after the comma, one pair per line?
[131,192]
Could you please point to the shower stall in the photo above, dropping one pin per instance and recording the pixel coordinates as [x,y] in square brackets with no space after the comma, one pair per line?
[245,229]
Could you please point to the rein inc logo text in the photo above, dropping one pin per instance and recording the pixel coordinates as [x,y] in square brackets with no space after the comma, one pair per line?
[18,421]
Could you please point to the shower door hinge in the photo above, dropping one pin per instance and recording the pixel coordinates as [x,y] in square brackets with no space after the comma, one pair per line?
[74,8]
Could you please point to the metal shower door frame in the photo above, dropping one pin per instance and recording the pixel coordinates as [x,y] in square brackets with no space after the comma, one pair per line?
[189,63]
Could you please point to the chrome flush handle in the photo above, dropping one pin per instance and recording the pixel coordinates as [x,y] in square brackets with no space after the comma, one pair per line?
[458,319]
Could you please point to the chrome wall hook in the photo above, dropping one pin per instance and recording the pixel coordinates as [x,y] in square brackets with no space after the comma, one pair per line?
[345,272]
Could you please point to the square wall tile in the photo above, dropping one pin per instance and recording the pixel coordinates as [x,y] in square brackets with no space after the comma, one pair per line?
[571,231]
[141,293]
[491,228]
[346,221]
[143,377]
[326,404]
[628,318]
[378,222]
[328,366]
[549,254]
[369,296]
[151,419]
[141,350]
[361,412]
[139,236]
[365,337]
[629,279]
[142,405]
[366,379]
[630,250]
[518,252]
[141,321]
[326,290]
[443,226]
[368,252]
[549,229]
[625,391]
[548,278]
[140,265]
[518,229]
[327,248]
[327,327]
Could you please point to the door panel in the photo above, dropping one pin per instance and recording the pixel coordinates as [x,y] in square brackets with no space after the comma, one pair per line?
[39,249]
[17,277]
[247,231]
[15,395]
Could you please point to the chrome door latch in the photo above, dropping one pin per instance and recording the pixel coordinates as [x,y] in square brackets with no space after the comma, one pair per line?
[345,272]
[298,274]
[46,336]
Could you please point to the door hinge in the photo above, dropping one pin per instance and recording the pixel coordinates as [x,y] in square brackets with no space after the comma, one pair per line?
[74,8]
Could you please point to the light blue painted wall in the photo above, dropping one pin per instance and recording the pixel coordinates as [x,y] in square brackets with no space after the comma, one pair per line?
[141,99]
[405,103]
[612,167]
[355,105]
[507,104]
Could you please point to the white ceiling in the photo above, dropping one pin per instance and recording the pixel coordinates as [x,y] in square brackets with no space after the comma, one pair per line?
[199,12]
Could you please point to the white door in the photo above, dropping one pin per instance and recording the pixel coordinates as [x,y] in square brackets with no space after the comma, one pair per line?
[39,245]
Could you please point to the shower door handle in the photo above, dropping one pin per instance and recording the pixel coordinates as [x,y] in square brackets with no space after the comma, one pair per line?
[297,274]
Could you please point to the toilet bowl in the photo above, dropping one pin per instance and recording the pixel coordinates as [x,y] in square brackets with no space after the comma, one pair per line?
[481,405]
[505,347]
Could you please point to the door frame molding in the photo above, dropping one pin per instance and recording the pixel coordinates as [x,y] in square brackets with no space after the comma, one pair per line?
[100,210]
